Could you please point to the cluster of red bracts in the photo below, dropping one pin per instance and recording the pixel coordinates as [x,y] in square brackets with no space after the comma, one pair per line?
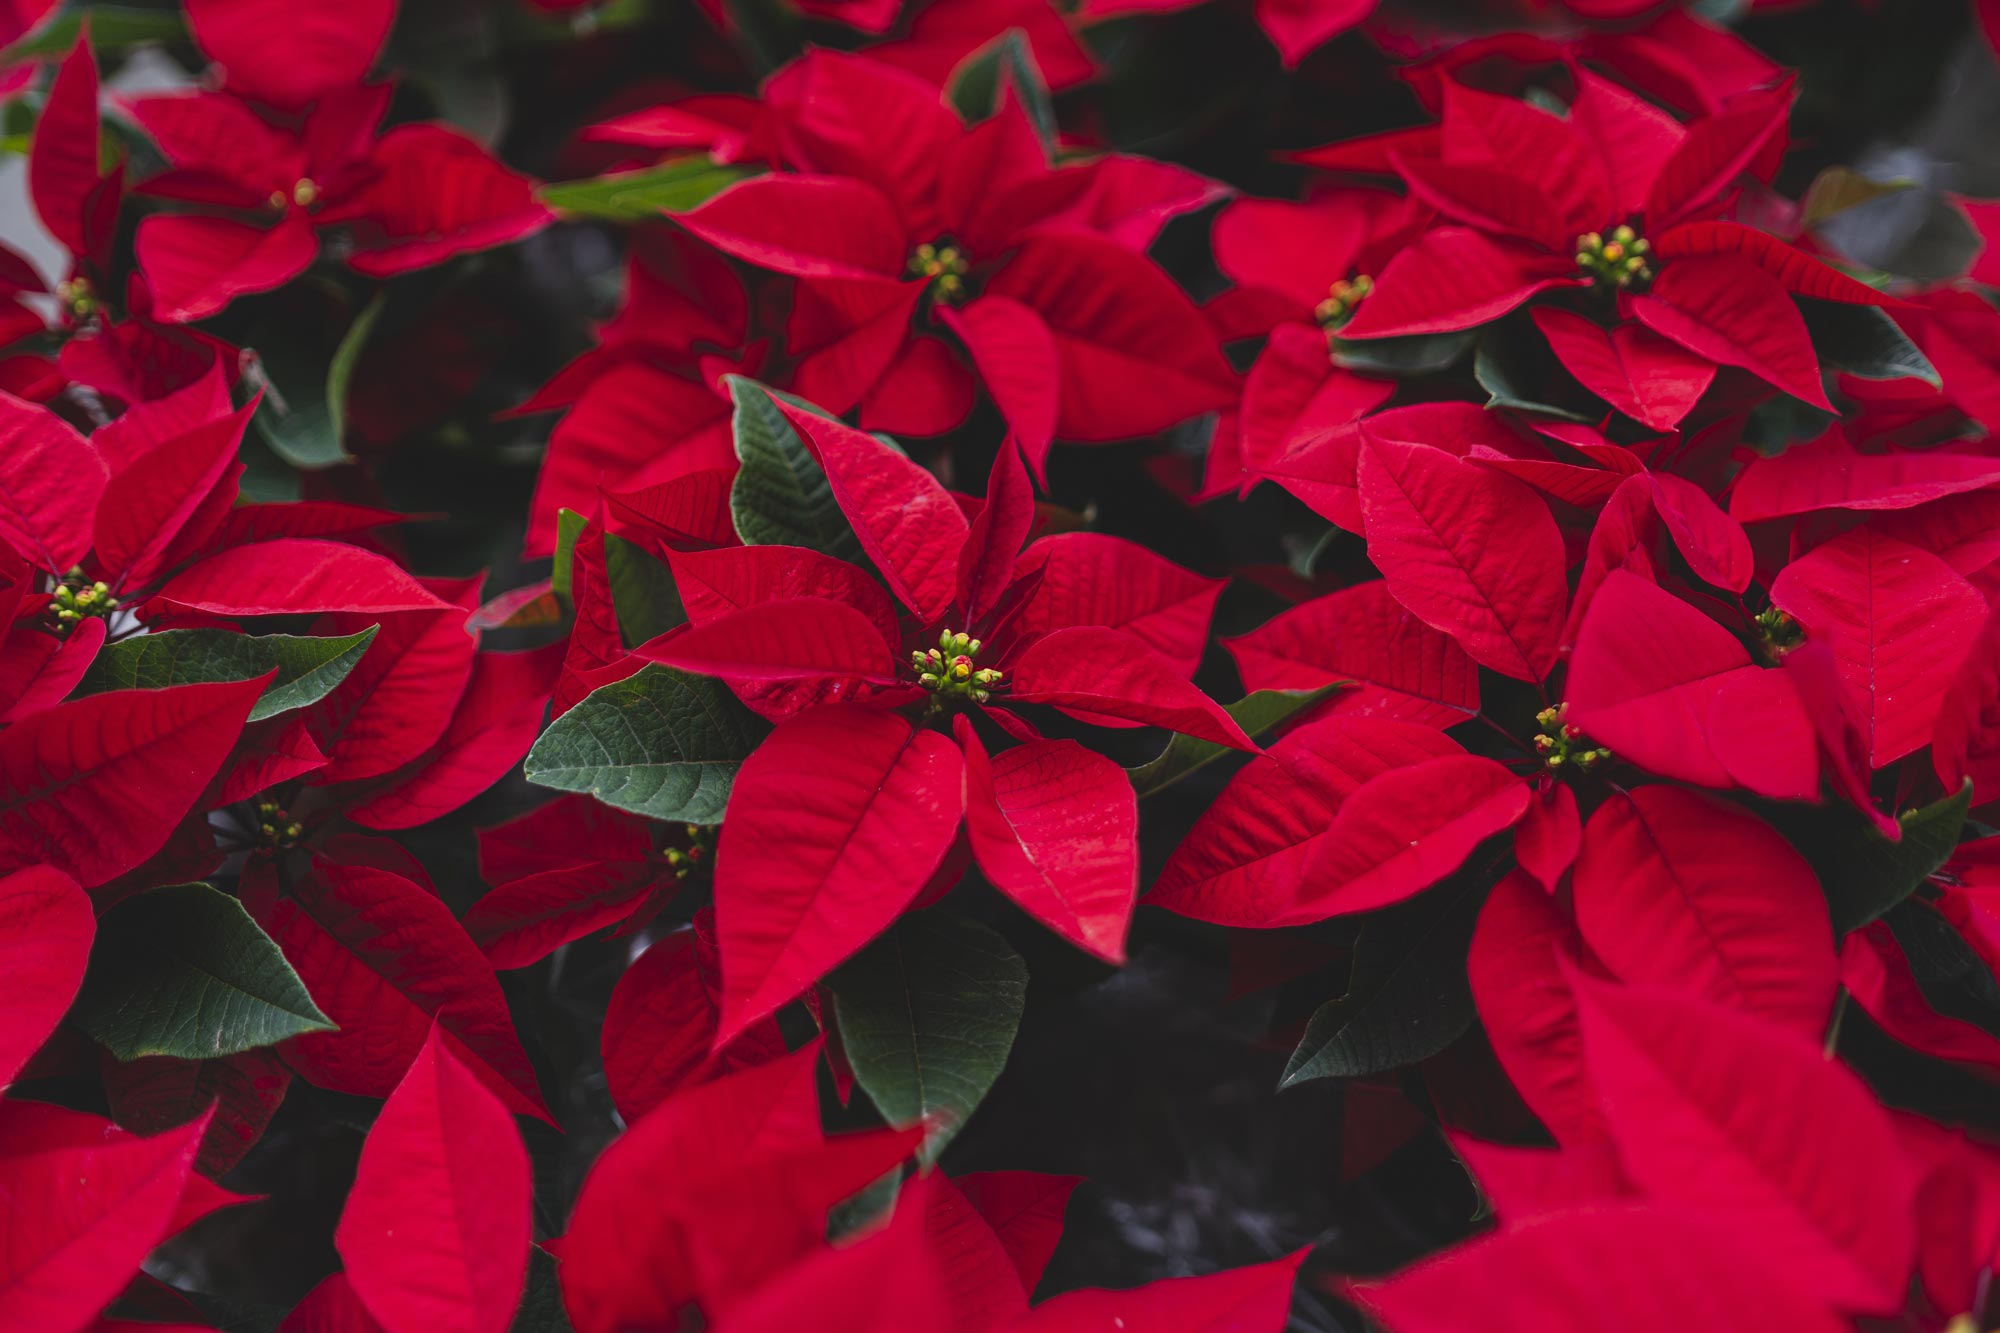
[1669,718]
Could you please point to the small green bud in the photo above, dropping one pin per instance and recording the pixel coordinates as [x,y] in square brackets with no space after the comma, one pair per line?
[950,669]
[1617,260]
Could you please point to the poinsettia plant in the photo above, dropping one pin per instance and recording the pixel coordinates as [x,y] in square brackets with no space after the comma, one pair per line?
[970,665]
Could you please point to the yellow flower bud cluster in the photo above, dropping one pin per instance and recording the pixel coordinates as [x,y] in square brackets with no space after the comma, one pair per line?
[944,267]
[275,827]
[700,851]
[1781,633]
[949,668]
[1341,299]
[72,604]
[1618,260]
[1561,746]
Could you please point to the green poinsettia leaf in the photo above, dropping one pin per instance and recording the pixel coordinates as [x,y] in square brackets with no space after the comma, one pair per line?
[663,743]
[642,591]
[541,1309]
[635,196]
[1863,341]
[927,1015]
[112,28]
[1423,354]
[1862,873]
[304,413]
[975,87]
[781,496]
[1256,713]
[184,971]
[562,574]
[308,668]
[1511,365]
[1410,997]
[1954,979]
[1837,189]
